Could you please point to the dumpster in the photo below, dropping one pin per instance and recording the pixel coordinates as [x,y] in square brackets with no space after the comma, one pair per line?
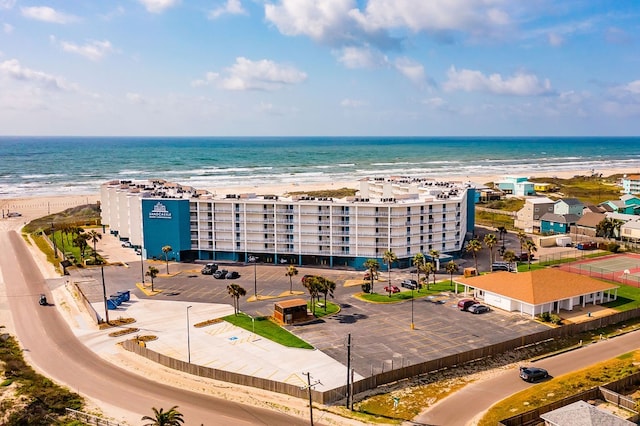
[125,295]
[116,298]
[111,305]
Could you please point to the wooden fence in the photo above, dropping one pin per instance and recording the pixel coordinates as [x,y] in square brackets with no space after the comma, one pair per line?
[373,381]
[89,419]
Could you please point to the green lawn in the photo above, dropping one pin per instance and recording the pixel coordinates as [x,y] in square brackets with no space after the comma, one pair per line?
[267,329]
[628,298]
[383,297]
[322,310]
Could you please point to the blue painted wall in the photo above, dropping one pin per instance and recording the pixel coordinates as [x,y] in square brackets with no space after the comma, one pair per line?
[471,210]
[555,228]
[165,222]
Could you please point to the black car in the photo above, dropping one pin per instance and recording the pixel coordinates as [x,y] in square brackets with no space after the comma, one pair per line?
[220,274]
[410,284]
[231,275]
[209,269]
[531,374]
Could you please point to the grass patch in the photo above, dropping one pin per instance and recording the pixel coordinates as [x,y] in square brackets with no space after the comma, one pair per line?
[322,310]
[39,401]
[588,189]
[563,387]
[628,298]
[494,220]
[383,297]
[334,193]
[45,248]
[266,328]
[511,204]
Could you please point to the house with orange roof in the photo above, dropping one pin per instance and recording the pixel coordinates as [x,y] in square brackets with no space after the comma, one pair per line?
[535,292]
[631,184]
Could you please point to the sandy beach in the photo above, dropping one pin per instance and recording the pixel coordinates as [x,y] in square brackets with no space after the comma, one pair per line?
[37,206]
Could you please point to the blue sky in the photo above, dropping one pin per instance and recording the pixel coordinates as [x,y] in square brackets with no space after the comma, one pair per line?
[320,67]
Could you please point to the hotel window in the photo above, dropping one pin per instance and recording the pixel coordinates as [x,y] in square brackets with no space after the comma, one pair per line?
[421,209]
[238,245]
[408,250]
[408,229]
[408,240]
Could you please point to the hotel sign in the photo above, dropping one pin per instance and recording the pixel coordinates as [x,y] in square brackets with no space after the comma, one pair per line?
[159,212]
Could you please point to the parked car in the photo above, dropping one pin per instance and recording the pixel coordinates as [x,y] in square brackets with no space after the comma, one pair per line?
[209,269]
[127,244]
[392,289]
[220,274]
[410,284]
[14,214]
[501,266]
[524,257]
[232,275]
[464,304]
[478,308]
[531,374]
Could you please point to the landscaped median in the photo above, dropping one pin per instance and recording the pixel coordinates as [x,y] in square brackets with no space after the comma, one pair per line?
[384,297]
[266,328]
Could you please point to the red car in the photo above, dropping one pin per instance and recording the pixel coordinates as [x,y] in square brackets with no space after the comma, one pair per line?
[392,289]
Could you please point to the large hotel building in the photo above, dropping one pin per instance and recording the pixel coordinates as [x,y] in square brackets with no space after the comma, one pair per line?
[401,214]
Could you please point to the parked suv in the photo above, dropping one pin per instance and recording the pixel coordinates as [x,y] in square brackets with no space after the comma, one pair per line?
[209,269]
[410,284]
[501,266]
[220,274]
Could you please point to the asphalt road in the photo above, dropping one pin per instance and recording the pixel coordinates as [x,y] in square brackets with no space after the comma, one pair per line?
[462,407]
[51,346]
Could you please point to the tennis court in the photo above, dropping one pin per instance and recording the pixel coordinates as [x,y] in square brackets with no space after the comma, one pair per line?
[622,268]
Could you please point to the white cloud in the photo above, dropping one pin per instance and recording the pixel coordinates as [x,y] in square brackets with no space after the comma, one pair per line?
[633,87]
[93,50]
[47,14]
[472,16]
[12,69]
[434,102]
[322,20]
[7,28]
[555,39]
[135,98]
[209,79]
[158,6]
[246,74]
[361,57]
[521,84]
[7,4]
[411,69]
[231,7]
[352,103]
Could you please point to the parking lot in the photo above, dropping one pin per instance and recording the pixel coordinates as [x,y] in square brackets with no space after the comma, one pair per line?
[381,334]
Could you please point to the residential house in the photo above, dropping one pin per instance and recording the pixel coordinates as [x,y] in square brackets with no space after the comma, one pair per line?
[542,290]
[614,206]
[592,208]
[631,184]
[581,413]
[568,206]
[587,224]
[632,204]
[630,231]
[552,223]
[519,186]
[528,217]
[543,187]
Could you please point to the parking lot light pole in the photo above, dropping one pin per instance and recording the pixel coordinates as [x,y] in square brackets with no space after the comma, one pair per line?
[254,259]
[412,324]
[142,265]
[188,337]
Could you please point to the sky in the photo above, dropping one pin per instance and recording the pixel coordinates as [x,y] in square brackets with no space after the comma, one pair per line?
[320,68]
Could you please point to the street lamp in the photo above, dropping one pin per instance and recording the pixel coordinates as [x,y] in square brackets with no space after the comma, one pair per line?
[188,338]
[142,265]
[254,259]
[412,324]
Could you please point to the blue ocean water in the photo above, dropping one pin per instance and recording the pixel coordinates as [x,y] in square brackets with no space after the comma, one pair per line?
[32,166]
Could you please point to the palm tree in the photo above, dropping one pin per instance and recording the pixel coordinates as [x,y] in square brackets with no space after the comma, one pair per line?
[165,418]
[490,240]
[473,247]
[428,268]
[509,256]
[94,237]
[313,284]
[372,266]
[435,255]
[236,292]
[452,267]
[166,250]
[326,287]
[81,242]
[522,237]
[389,257]
[291,271]
[152,273]
[531,248]
[418,261]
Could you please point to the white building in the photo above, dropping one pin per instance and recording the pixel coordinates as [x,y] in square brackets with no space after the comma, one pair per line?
[404,215]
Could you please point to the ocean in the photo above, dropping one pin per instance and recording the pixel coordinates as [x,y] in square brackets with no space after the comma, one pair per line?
[35,166]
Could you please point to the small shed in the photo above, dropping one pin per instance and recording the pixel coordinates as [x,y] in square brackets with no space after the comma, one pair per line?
[290,311]
[470,272]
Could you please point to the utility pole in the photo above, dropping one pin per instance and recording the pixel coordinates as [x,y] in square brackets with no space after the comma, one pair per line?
[309,386]
[348,368]
[104,295]
[142,265]
[53,238]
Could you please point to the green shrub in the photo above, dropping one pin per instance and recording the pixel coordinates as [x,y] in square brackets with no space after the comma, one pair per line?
[366,287]
[545,316]
[613,247]
[555,319]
